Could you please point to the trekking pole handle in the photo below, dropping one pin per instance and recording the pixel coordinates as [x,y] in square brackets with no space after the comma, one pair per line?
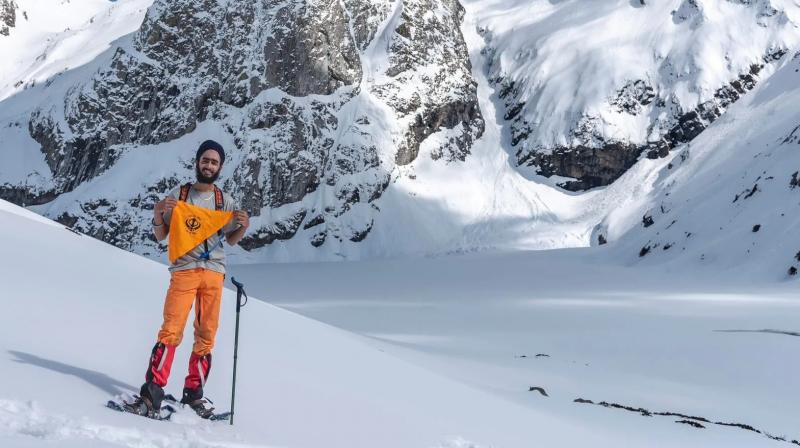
[236,284]
[239,293]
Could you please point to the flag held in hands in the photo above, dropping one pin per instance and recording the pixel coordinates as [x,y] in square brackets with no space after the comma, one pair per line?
[191,225]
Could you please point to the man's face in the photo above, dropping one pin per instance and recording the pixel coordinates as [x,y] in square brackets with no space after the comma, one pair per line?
[207,168]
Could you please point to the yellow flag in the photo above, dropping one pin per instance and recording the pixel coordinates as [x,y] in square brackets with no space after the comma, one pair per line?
[191,225]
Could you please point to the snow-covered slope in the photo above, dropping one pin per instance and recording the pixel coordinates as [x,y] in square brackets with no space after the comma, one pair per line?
[77,329]
[728,199]
[53,37]
[83,333]
[710,345]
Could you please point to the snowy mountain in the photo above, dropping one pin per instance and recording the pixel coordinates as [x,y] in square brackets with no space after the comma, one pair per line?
[372,129]
[586,90]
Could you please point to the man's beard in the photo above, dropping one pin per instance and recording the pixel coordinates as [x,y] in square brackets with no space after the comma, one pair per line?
[203,179]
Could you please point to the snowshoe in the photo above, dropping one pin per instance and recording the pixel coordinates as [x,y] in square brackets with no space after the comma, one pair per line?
[141,406]
[204,408]
[201,407]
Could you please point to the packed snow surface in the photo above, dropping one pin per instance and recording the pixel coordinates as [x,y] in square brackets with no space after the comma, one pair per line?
[429,352]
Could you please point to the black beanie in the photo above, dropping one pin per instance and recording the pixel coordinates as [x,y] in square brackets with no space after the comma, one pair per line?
[210,144]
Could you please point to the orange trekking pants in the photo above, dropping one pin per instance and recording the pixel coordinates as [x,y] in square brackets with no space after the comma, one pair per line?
[203,288]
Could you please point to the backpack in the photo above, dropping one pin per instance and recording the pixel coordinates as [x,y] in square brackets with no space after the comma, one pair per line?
[219,203]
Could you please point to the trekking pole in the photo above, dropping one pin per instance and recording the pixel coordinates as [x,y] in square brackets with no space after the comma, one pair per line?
[239,293]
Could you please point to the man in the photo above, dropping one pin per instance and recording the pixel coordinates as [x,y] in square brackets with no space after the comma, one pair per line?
[197,279]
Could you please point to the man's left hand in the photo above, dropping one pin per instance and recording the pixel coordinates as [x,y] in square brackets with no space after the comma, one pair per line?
[242,218]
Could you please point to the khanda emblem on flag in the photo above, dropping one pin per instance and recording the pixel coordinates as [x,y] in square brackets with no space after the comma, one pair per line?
[199,223]
[193,224]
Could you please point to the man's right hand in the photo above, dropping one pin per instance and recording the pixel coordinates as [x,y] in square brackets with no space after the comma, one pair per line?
[163,207]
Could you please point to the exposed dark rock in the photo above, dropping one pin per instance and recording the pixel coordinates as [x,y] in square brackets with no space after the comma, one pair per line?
[8,16]
[644,251]
[360,235]
[280,230]
[365,18]
[691,423]
[647,221]
[20,195]
[644,412]
[109,221]
[631,97]
[67,219]
[694,421]
[793,137]
[429,121]
[601,240]
[411,48]
[752,191]
[658,152]
[765,330]
[538,389]
[380,188]
[315,221]
[538,355]
[747,193]
[319,239]
[756,228]
[70,229]
[592,167]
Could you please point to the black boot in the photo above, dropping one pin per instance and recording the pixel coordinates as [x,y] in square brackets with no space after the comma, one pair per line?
[149,401]
[195,400]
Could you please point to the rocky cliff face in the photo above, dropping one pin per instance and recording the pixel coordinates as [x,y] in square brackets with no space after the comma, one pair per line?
[596,160]
[8,16]
[293,84]
[411,84]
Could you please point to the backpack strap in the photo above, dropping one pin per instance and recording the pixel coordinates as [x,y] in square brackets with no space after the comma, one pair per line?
[219,204]
[219,199]
[184,194]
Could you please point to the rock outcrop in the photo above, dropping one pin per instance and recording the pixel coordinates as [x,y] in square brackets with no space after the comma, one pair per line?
[287,83]
[8,16]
